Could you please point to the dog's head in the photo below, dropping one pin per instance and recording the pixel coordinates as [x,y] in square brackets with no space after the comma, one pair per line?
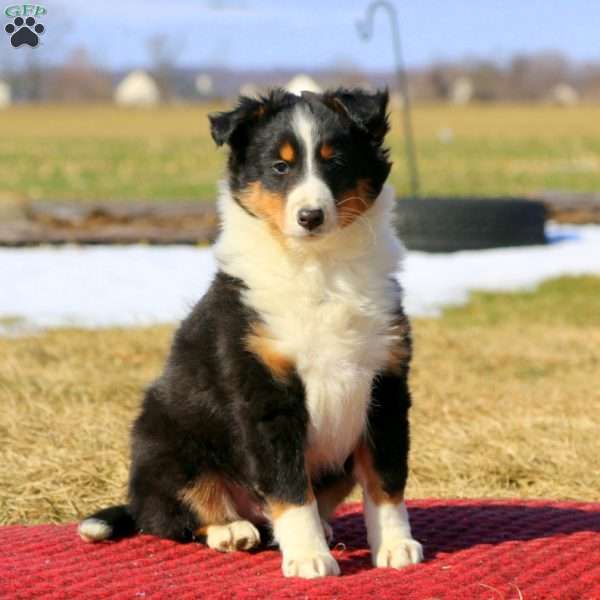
[309,164]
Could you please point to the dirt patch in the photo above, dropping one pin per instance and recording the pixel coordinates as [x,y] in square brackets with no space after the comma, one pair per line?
[181,222]
[111,223]
[571,207]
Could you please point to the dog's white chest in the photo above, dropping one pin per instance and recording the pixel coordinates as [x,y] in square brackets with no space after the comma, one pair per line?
[338,343]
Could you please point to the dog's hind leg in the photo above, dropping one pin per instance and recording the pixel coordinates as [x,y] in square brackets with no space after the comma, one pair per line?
[221,525]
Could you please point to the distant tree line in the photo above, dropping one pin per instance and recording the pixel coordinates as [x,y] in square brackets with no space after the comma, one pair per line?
[523,78]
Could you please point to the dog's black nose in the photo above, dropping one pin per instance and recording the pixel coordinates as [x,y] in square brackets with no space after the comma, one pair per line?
[310,218]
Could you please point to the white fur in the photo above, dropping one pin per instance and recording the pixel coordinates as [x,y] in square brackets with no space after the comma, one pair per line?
[389,535]
[238,535]
[305,128]
[94,530]
[300,536]
[311,191]
[327,302]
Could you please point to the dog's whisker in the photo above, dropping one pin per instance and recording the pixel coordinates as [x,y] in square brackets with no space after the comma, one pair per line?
[342,202]
[350,216]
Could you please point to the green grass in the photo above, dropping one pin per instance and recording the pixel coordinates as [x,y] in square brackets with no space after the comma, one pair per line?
[114,169]
[103,152]
[573,301]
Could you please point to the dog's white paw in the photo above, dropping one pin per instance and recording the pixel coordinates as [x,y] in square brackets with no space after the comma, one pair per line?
[238,535]
[310,566]
[398,553]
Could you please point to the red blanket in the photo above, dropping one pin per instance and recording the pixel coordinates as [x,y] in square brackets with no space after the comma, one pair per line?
[473,549]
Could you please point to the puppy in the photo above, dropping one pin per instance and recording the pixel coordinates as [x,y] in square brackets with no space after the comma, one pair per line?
[287,383]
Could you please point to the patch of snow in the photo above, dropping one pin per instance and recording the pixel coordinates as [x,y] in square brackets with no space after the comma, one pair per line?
[141,285]
[432,281]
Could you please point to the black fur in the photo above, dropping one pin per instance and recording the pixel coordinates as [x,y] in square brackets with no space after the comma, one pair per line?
[388,419]
[122,524]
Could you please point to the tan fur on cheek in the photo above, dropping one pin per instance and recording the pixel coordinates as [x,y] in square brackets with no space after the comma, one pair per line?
[264,204]
[371,480]
[261,344]
[353,203]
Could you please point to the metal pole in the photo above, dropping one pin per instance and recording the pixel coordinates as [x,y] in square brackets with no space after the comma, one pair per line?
[365,29]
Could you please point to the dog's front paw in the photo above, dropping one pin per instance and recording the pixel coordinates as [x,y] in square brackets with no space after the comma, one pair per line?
[309,566]
[398,553]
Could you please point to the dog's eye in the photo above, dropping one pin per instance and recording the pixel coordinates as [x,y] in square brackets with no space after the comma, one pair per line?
[335,161]
[281,167]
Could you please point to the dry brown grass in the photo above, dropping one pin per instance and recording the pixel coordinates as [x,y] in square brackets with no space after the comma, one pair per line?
[507,399]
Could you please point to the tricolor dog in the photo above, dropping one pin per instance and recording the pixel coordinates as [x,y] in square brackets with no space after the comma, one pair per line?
[287,383]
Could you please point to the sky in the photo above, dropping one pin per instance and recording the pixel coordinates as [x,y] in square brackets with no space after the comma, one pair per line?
[315,34]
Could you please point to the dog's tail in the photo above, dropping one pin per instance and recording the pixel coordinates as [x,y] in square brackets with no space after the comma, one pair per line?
[108,524]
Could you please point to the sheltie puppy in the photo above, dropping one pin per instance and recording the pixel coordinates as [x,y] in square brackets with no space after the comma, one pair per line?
[288,382]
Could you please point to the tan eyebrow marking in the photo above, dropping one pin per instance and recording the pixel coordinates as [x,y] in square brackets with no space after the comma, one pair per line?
[286,152]
[326,151]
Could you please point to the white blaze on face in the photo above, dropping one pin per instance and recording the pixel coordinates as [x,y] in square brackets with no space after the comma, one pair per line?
[311,192]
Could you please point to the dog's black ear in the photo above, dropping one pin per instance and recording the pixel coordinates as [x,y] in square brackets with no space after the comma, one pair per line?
[366,111]
[224,124]
[249,111]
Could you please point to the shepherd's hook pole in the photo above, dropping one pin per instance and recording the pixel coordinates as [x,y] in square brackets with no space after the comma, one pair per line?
[365,30]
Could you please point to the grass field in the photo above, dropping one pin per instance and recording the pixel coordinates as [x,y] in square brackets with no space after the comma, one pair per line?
[102,152]
[506,403]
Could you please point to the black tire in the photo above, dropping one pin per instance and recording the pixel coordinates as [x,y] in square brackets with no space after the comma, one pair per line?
[452,224]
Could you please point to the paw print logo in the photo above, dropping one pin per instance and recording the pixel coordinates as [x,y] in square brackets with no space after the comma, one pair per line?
[24,32]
